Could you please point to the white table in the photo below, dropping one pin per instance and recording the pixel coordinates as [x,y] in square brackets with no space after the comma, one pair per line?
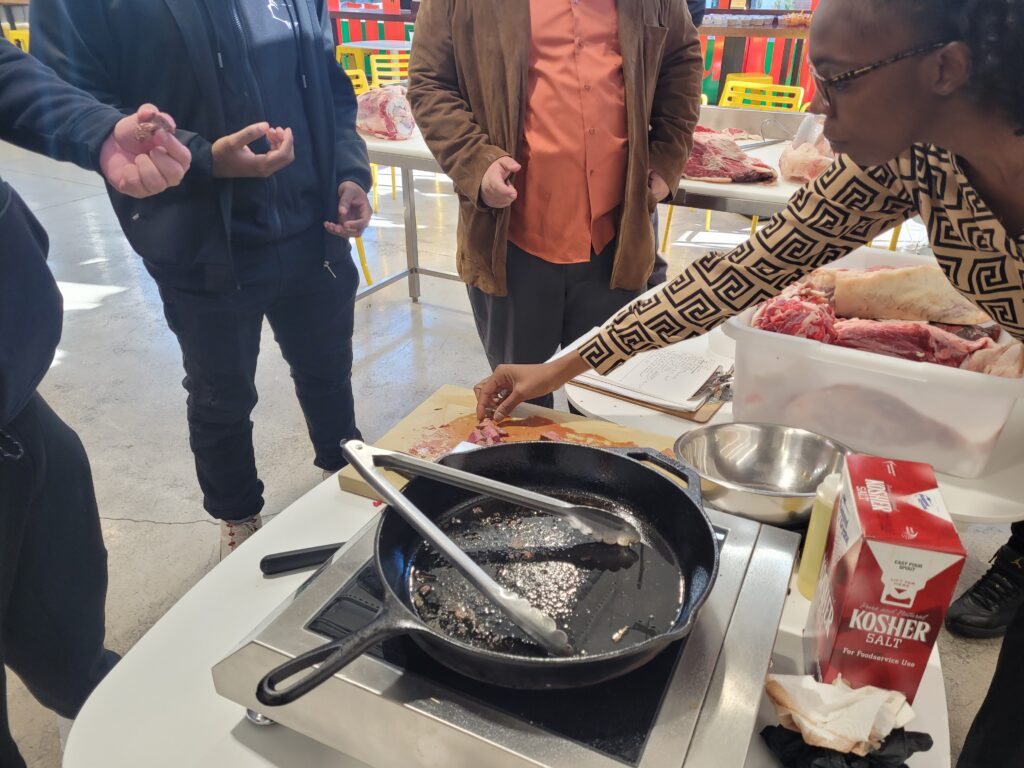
[412,155]
[995,497]
[400,46]
[158,707]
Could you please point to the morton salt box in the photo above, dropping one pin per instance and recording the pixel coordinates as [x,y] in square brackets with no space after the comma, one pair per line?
[892,559]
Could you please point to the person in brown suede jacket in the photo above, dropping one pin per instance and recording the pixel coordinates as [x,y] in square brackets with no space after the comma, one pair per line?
[562,124]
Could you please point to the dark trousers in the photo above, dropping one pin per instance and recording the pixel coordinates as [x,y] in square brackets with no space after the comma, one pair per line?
[310,310]
[53,568]
[996,738]
[548,306]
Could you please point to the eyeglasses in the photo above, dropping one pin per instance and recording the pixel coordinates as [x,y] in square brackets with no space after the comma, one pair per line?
[825,84]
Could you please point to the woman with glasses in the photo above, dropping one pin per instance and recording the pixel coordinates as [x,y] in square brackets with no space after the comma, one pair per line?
[925,103]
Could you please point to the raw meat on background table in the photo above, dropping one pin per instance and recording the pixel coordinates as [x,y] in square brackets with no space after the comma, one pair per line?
[718,159]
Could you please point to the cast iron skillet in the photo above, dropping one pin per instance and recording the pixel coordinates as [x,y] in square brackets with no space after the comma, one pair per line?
[675,512]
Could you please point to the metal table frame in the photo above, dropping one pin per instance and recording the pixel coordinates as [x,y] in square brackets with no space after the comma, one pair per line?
[408,164]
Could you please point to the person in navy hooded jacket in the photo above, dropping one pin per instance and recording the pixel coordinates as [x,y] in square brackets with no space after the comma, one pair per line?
[259,229]
[53,566]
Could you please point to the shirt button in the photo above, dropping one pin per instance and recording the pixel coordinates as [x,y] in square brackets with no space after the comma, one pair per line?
[587,88]
[579,43]
[591,131]
[591,173]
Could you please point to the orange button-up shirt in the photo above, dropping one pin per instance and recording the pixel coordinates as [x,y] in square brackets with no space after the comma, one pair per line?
[574,147]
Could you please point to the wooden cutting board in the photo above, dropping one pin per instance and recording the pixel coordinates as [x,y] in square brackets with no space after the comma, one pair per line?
[446,418]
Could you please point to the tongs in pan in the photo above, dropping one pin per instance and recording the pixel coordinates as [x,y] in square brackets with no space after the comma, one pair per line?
[366,460]
[597,523]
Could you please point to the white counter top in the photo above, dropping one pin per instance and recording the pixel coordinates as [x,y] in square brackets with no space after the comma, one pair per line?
[158,707]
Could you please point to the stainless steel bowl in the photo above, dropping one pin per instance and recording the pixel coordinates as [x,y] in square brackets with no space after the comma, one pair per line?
[766,472]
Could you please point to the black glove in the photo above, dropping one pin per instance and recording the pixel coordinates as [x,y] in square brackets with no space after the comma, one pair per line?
[790,747]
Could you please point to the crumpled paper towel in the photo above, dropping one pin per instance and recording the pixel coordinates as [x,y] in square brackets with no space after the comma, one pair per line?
[849,720]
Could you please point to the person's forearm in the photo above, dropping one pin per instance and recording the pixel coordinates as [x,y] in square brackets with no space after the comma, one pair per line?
[42,113]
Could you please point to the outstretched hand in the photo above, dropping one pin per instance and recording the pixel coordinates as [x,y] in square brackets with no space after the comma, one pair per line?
[142,156]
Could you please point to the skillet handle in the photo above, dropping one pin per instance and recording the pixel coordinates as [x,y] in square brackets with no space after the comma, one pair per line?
[298,559]
[331,657]
[677,468]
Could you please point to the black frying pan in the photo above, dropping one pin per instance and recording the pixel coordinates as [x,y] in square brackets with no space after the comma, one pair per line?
[669,516]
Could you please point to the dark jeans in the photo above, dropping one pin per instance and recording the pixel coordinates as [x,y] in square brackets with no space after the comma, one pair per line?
[311,313]
[53,568]
[996,738]
[548,306]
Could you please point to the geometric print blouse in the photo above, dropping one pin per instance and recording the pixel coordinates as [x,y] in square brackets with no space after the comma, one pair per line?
[841,210]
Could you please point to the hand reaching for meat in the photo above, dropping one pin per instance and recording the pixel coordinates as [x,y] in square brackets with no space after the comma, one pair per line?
[510,385]
[142,157]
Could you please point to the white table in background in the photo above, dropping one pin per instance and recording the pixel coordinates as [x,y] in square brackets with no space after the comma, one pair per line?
[158,707]
[396,46]
[412,155]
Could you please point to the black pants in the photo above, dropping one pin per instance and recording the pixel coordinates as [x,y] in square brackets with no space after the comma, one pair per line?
[53,568]
[548,306]
[311,313]
[996,737]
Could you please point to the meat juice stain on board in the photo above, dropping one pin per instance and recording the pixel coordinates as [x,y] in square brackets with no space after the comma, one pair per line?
[437,441]
[604,596]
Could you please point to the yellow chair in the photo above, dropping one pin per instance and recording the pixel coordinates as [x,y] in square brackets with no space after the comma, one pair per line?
[19,37]
[361,250]
[895,241]
[387,68]
[359,82]
[773,98]
[350,58]
[748,77]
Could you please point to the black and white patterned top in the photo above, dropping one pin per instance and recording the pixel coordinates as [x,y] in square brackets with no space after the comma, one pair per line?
[842,209]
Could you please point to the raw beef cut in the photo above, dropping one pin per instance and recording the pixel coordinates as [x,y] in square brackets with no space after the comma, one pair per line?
[803,313]
[385,113]
[1006,361]
[907,293]
[487,433]
[908,340]
[806,162]
[718,158]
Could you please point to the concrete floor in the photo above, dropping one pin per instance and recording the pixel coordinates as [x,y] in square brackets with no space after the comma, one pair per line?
[117,381]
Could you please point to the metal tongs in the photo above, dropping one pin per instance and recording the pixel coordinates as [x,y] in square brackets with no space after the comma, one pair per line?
[597,523]
[537,624]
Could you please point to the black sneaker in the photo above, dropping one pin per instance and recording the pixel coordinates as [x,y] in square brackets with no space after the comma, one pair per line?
[986,609]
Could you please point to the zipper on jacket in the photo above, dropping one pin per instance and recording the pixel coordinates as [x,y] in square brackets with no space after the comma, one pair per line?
[327,266]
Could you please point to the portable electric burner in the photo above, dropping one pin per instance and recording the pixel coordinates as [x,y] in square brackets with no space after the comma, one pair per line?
[695,704]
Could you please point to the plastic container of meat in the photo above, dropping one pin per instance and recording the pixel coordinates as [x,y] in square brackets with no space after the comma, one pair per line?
[899,409]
